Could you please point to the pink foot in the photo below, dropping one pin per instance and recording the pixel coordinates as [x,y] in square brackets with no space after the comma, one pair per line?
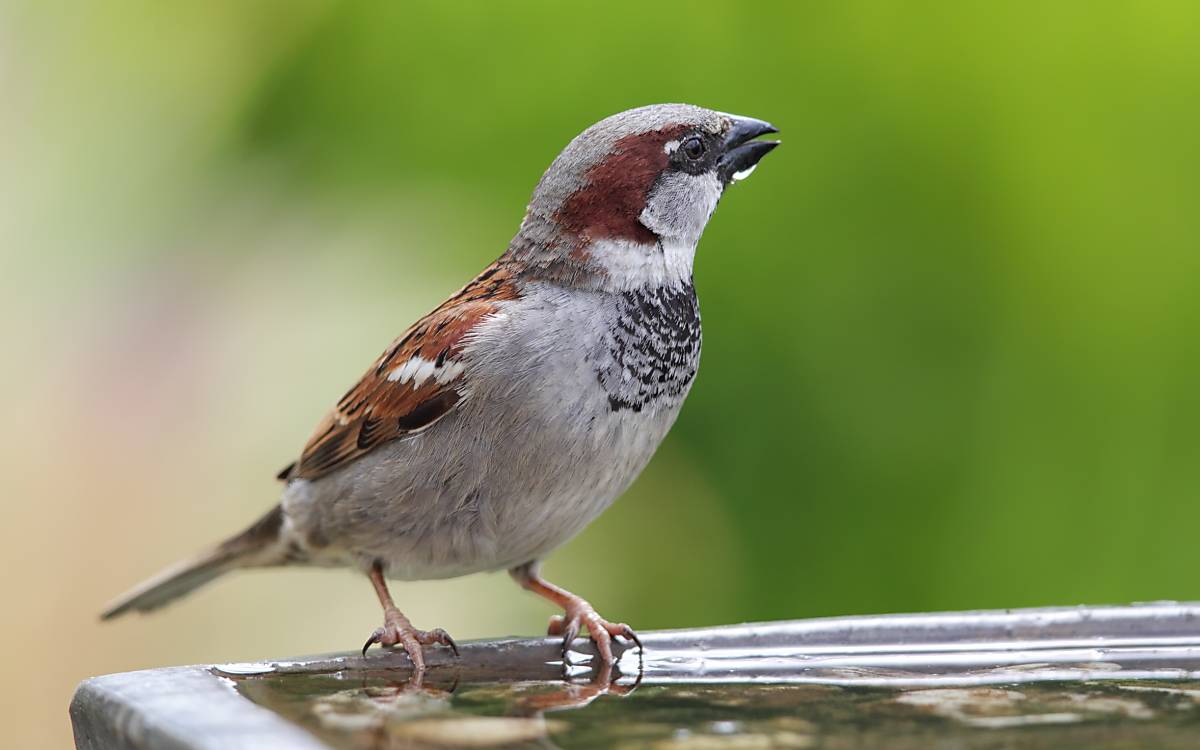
[580,614]
[398,631]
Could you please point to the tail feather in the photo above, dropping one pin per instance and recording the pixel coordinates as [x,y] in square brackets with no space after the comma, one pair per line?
[254,546]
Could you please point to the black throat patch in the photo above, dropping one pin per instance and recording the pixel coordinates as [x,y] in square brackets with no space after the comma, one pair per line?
[653,347]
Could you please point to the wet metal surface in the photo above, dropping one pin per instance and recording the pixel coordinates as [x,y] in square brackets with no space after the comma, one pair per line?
[1104,677]
[375,711]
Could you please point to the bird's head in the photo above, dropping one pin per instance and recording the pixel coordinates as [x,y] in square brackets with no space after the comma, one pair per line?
[626,201]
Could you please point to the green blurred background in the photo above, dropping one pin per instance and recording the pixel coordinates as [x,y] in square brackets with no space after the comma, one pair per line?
[951,355]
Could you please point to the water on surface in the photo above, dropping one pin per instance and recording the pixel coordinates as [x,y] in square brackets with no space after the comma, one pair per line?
[362,709]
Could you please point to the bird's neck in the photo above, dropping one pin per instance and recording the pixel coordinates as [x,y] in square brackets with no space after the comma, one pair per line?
[616,265]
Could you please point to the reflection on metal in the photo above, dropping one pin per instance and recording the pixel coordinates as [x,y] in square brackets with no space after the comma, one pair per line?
[1126,662]
[1146,641]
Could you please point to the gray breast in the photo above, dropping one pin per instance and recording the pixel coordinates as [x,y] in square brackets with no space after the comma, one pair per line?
[654,348]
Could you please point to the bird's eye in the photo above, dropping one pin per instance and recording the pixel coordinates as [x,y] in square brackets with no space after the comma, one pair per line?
[693,147]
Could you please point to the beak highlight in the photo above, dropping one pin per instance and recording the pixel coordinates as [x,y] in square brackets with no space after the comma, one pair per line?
[742,152]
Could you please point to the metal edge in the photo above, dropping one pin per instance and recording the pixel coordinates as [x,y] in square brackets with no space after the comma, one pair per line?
[1015,629]
[161,709]
[158,707]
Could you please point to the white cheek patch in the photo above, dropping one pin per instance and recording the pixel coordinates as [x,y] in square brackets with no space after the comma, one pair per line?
[739,176]
[670,147]
[680,204]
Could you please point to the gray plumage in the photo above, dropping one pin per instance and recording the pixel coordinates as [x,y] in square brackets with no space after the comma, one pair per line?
[532,457]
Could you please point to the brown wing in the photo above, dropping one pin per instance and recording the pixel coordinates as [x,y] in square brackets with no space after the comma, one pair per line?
[416,382]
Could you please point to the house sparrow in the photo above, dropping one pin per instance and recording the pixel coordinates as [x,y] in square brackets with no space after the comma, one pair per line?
[502,423]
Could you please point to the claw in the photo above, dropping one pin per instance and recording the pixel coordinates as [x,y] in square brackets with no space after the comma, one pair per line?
[442,637]
[570,633]
[627,632]
[376,637]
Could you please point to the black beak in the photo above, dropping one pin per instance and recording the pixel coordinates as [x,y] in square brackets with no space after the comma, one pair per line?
[742,152]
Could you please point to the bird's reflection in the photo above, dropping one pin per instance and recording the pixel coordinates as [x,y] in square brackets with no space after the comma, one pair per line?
[606,680]
[394,708]
[572,691]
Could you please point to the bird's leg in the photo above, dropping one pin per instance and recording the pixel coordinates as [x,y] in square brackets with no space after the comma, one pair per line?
[577,613]
[398,630]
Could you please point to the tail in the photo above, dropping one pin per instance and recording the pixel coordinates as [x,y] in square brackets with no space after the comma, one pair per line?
[254,546]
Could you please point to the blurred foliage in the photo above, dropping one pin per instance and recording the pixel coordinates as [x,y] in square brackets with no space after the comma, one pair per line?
[951,354]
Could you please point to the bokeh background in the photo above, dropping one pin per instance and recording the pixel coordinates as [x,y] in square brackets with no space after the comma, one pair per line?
[951,326]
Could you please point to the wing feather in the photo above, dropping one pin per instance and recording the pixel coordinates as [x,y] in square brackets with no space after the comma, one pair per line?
[417,381]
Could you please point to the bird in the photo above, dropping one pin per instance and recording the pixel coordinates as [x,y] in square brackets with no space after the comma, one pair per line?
[501,424]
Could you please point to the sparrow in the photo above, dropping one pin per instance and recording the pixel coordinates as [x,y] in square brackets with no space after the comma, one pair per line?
[502,423]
